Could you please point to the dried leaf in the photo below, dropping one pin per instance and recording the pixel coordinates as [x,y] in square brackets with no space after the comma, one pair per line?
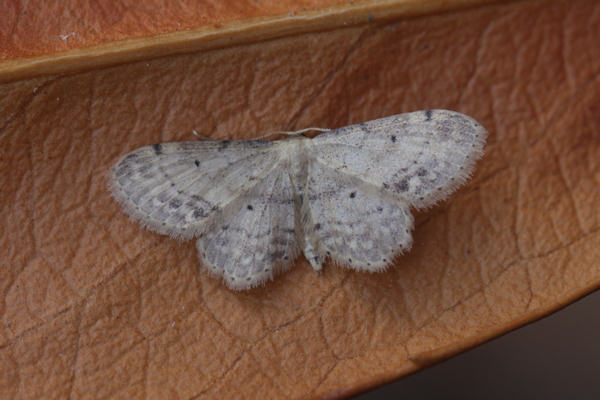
[93,306]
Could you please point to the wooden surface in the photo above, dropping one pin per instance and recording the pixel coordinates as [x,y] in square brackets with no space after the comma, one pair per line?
[93,306]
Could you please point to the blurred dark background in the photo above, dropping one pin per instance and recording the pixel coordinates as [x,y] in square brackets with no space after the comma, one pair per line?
[557,357]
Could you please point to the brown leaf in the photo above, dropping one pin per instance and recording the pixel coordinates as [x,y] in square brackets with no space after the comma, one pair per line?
[94,306]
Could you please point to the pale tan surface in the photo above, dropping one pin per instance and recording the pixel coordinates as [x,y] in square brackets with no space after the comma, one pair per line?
[45,38]
[33,29]
[93,306]
[44,27]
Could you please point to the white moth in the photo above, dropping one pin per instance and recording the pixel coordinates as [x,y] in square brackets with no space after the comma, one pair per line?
[345,195]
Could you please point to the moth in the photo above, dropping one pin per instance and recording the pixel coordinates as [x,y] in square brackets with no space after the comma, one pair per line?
[345,195]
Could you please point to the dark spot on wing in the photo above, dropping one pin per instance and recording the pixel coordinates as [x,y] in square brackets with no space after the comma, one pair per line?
[428,114]
[198,213]
[250,207]
[224,144]
[393,137]
[175,204]
[352,195]
[197,163]
[402,186]
[157,148]
[317,226]
[130,157]
[363,127]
